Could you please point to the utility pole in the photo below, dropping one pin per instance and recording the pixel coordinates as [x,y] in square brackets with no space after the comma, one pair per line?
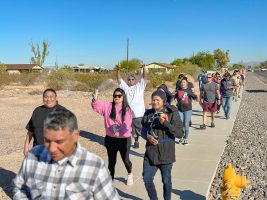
[127,55]
[56,64]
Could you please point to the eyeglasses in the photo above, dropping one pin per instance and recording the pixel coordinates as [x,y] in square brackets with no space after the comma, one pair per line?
[131,79]
[209,77]
[117,96]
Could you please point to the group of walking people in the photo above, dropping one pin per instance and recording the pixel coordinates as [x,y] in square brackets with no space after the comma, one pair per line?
[55,134]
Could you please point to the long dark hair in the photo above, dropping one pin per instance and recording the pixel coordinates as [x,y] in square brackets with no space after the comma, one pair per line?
[125,105]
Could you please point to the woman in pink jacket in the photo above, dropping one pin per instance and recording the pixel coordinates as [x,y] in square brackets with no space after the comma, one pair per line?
[118,121]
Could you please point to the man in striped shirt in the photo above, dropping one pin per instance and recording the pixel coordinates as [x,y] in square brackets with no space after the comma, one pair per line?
[61,168]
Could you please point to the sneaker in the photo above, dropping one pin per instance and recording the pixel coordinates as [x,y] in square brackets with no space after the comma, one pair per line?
[227,117]
[185,142]
[212,125]
[130,179]
[180,141]
[203,126]
[136,145]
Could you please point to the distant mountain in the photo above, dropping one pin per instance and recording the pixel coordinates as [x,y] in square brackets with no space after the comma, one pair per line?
[250,63]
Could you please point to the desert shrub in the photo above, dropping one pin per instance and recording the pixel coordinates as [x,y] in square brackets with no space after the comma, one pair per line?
[27,79]
[5,79]
[190,69]
[156,79]
[88,82]
[58,79]
[35,92]
[68,80]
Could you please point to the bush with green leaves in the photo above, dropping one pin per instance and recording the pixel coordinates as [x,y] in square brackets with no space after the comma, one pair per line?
[59,79]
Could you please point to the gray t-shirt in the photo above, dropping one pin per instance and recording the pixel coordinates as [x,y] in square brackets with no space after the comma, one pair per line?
[225,90]
[209,91]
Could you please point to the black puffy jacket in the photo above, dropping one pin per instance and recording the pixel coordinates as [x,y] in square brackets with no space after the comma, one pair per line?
[164,151]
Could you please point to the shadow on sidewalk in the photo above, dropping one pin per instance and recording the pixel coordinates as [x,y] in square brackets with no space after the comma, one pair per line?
[256,91]
[121,179]
[6,181]
[188,194]
[208,115]
[128,196]
[134,153]
[93,137]
[199,111]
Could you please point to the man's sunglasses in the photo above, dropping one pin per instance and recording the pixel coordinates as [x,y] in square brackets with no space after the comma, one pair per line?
[117,96]
[209,77]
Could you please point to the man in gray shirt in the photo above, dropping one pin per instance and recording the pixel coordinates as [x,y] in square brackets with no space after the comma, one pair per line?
[227,86]
[209,99]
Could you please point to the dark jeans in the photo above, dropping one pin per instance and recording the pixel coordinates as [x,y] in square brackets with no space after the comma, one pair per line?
[113,145]
[149,172]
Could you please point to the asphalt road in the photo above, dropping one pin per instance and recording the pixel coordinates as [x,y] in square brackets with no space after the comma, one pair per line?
[262,75]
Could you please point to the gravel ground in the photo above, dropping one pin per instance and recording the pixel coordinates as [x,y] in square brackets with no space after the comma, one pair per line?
[247,145]
[16,106]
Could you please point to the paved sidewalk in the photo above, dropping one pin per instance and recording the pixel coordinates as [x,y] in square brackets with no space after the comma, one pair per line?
[195,165]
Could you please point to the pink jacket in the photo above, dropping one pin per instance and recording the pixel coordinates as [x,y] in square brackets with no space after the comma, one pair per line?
[124,128]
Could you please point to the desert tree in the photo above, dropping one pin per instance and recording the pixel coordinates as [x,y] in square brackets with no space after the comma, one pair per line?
[222,58]
[39,53]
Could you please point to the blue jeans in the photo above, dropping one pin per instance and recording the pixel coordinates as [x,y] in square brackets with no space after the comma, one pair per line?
[186,117]
[149,172]
[227,105]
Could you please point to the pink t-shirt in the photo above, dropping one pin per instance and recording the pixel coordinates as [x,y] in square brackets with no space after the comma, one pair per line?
[124,128]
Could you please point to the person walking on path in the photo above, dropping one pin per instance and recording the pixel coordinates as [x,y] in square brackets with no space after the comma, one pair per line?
[190,85]
[35,125]
[178,83]
[118,120]
[184,98]
[227,86]
[237,79]
[161,125]
[135,96]
[209,99]
[61,168]
[202,79]
[217,79]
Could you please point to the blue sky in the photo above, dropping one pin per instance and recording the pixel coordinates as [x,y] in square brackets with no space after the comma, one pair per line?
[94,32]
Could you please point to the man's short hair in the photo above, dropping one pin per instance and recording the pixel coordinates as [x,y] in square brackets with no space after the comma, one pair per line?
[61,119]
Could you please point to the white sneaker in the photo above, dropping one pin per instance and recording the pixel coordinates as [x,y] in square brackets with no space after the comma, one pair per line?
[180,141]
[130,179]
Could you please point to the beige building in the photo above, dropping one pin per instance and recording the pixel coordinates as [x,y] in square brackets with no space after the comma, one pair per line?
[157,67]
[21,68]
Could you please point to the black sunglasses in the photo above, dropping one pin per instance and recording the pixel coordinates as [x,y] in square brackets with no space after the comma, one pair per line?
[117,96]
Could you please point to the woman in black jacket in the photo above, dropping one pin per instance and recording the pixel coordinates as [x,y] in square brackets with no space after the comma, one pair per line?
[161,125]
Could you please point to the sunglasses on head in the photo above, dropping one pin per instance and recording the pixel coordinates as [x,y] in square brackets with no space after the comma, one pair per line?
[117,96]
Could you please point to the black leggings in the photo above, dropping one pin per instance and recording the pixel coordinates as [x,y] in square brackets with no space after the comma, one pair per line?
[113,145]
